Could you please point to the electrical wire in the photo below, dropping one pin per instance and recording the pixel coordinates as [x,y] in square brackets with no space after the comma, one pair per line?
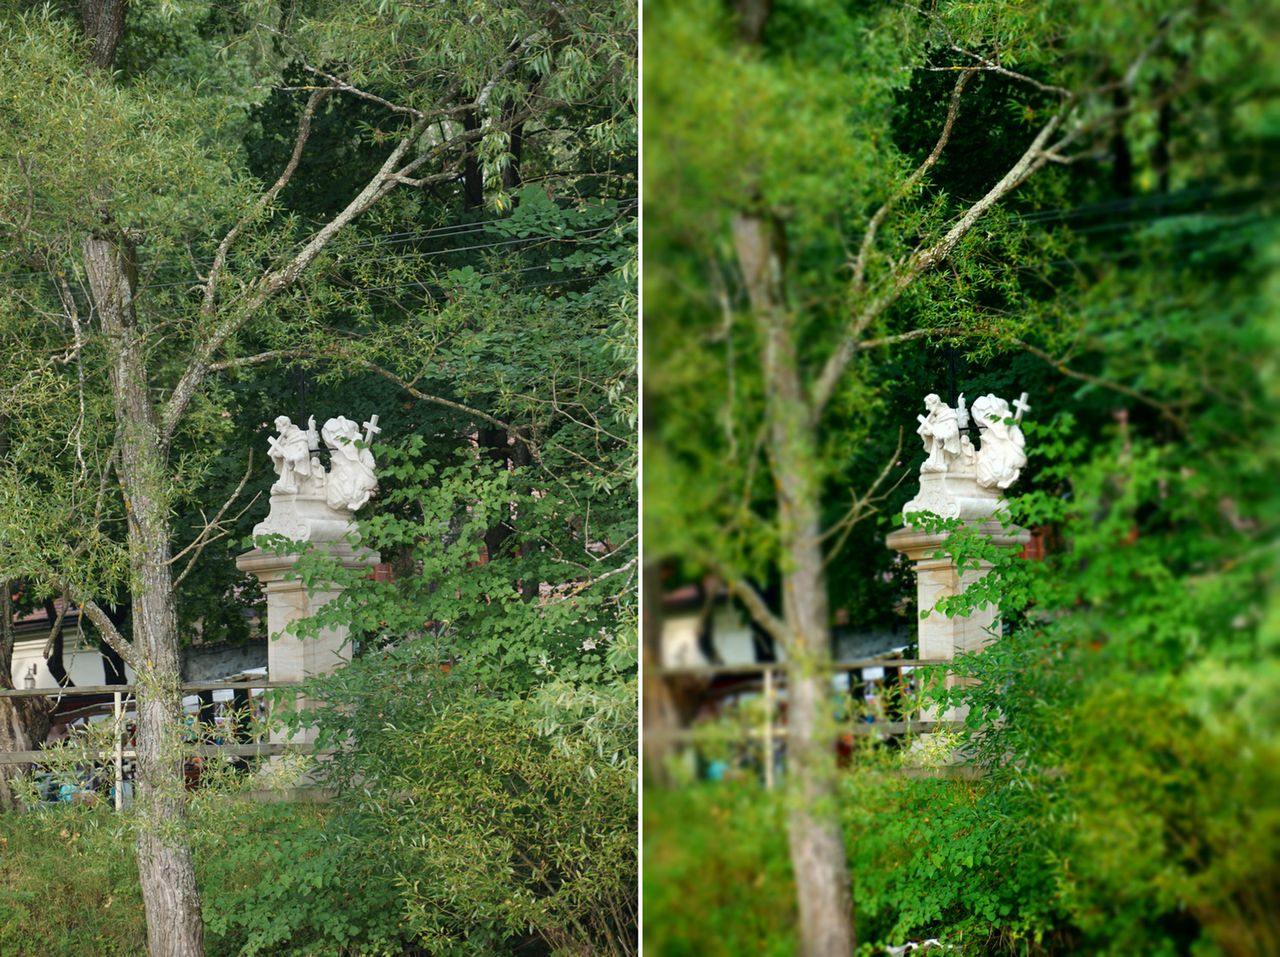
[409,236]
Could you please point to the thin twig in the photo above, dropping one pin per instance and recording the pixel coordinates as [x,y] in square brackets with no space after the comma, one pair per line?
[202,539]
[299,144]
[514,431]
[862,505]
[342,86]
[990,66]
[57,626]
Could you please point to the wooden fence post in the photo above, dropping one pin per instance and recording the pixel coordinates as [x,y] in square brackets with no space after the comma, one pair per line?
[768,728]
[118,708]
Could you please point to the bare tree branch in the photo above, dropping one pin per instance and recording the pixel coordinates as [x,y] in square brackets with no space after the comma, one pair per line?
[926,257]
[205,536]
[482,98]
[274,355]
[869,238]
[758,608]
[272,283]
[57,626]
[344,87]
[760,612]
[991,66]
[408,386]
[118,643]
[299,144]
[863,505]
[1165,410]
[866,344]
[276,281]
[579,587]
[417,393]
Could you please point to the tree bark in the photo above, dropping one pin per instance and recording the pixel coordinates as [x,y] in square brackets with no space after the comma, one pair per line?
[813,824]
[661,719]
[166,868]
[472,174]
[103,23]
[24,722]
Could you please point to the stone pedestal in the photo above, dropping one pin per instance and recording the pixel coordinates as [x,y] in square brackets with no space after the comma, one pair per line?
[290,658]
[937,578]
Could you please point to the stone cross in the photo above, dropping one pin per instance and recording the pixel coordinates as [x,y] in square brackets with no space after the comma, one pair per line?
[371,427]
[1021,406]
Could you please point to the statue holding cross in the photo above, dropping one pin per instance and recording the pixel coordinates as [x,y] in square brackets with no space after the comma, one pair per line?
[290,453]
[349,481]
[1002,455]
[958,480]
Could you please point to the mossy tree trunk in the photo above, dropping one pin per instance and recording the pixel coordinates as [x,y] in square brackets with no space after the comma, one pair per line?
[166,867]
[816,841]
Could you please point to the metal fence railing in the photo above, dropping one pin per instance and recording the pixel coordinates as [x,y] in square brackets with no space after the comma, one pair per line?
[772,731]
[122,698]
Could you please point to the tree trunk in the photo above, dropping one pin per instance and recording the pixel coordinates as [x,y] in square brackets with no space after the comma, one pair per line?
[660,717]
[166,869]
[103,22]
[472,174]
[813,823]
[24,722]
[814,832]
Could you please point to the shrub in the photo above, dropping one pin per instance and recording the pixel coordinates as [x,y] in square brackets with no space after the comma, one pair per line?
[69,885]
[275,879]
[502,815]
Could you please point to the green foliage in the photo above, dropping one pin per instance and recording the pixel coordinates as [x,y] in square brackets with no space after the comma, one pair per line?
[527,833]
[179,144]
[504,716]
[84,896]
[278,879]
[717,878]
[1123,723]
[498,816]
[490,322]
[274,879]
[934,858]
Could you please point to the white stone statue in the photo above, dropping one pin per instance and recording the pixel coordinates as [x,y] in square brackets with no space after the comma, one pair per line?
[290,453]
[957,481]
[942,431]
[351,480]
[308,503]
[1002,454]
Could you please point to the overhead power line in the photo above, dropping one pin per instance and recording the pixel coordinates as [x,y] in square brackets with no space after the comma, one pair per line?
[412,235]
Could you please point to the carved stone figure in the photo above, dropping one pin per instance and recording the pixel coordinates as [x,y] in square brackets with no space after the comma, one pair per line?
[958,481]
[1002,454]
[309,504]
[290,453]
[941,430]
[351,480]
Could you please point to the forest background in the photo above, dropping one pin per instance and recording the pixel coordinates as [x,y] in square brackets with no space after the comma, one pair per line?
[212,213]
[848,207]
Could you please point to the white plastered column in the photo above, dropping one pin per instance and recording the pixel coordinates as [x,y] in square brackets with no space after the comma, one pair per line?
[937,578]
[290,658]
